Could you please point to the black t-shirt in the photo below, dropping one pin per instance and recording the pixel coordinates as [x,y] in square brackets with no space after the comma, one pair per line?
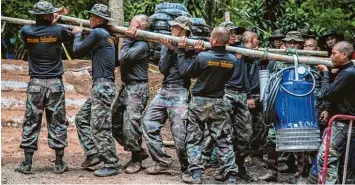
[212,68]
[43,43]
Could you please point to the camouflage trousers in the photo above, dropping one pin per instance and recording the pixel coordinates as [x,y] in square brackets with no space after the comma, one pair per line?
[237,107]
[127,114]
[258,138]
[337,146]
[209,150]
[212,112]
[170,102]
[48,95]
[94,123]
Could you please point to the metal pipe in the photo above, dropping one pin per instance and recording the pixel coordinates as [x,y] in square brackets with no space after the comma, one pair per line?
[347,152]
[296,67]
[322,177]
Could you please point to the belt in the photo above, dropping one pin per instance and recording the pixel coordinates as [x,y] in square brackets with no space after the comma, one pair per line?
[234,89]
[104,80]
[173,86]
[131,82]
[44,78]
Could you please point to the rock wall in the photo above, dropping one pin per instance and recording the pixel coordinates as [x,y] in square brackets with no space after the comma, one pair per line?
[77,81]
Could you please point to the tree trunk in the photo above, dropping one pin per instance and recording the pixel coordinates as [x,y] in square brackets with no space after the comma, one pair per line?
[117,13]
[210,4]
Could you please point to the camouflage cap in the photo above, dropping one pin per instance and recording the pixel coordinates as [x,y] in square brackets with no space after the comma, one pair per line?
[230,26]
[101,10]
[293,35]
[44,7]
[277,34]
[182,21]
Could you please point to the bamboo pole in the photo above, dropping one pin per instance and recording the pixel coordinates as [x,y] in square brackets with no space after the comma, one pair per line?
[300,52]
[271,50]
[155,37]
[29,22]
[74,20]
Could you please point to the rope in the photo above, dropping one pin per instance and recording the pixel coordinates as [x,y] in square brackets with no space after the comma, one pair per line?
[291,51]
[265,55]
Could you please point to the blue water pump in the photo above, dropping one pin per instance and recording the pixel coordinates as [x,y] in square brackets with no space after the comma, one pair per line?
[297,127]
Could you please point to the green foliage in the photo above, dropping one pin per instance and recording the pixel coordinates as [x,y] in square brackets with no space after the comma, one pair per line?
[293,18]
[261,16]
[135,7]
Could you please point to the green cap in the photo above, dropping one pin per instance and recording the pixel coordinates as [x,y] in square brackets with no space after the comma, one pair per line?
[101,10]
[293,35]
[230,26]
[182,21]
[277,34]
[44,7]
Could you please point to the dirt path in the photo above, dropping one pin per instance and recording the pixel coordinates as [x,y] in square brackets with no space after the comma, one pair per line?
[43,164]
[12,155]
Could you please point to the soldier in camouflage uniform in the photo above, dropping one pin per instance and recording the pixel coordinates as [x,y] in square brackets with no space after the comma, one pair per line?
[213,69]
[170,102]
[133,95]
[94,120]
[45,90]
[237,96]
[340,94]
[258,138]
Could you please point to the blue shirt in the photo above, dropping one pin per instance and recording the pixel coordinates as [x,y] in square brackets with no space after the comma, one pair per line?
[101,48]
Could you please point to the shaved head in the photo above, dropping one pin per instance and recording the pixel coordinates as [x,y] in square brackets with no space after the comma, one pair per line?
[345,47]
[220,35]
[313,41]
[311,44]
[142,20]
[250,40]
[248,35]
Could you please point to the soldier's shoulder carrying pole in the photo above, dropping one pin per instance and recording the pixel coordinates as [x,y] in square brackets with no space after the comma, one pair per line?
[155,37]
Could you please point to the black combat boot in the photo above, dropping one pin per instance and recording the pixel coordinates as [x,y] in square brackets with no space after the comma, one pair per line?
[25,166]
